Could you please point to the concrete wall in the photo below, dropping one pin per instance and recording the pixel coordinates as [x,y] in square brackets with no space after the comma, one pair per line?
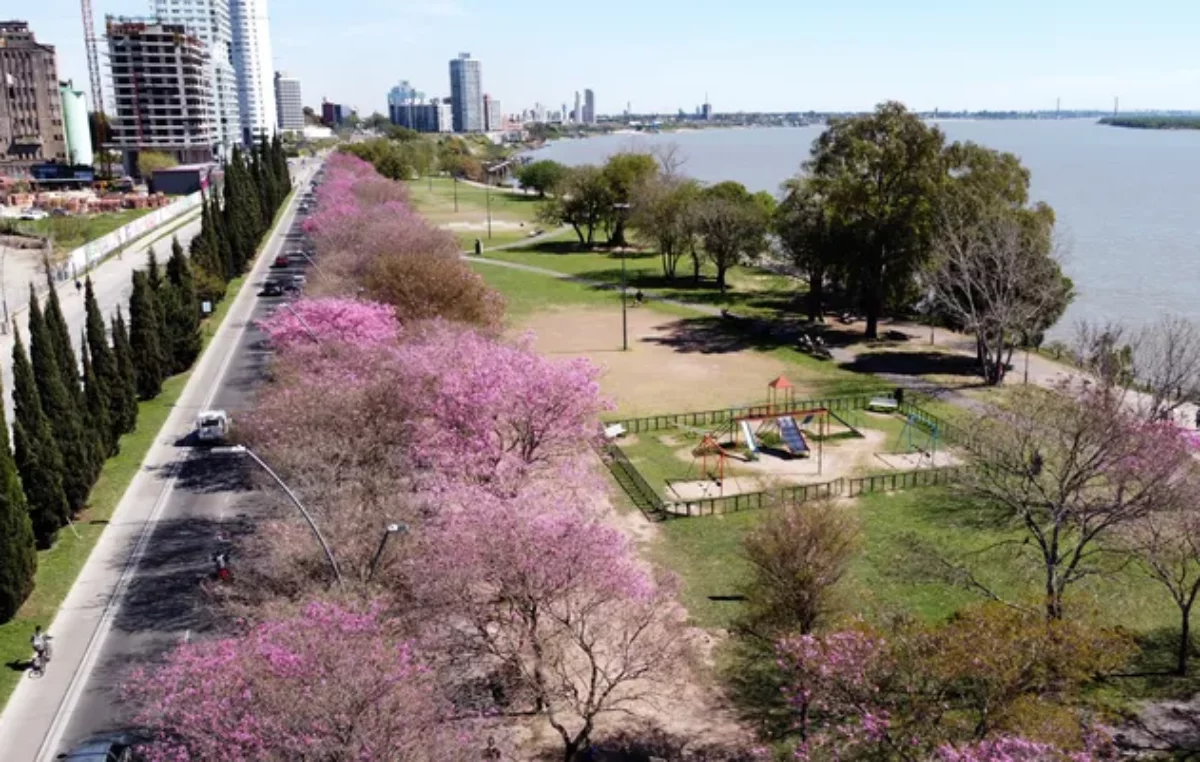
[90,254]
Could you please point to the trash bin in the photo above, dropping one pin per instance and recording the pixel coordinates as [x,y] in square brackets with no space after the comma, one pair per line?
[478,248]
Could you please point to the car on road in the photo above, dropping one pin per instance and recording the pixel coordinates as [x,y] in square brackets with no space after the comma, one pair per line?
[34,214]
[272,288]
[101,750]
[299,281]
[281,261]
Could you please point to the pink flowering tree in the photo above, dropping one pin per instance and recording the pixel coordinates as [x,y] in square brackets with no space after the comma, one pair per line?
[1013,749]
[330,683]
[497,413]
[557,603]
[360,323]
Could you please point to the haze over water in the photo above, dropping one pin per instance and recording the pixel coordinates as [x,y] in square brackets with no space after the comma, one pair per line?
[1127,201]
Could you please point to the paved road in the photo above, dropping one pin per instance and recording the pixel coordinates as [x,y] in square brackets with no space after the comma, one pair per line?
[139,592]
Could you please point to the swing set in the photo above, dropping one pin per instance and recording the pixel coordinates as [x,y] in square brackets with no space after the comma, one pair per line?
[920,434]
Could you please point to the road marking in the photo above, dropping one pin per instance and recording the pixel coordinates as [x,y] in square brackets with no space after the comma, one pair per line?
[66,707]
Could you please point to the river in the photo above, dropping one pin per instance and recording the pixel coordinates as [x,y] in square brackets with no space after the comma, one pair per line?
[1127,201]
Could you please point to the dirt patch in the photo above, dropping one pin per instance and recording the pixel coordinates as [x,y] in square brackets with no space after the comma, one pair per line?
[653,376]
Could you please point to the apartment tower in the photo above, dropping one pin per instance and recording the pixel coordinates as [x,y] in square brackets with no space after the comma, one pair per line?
[466,94]
[255,71]
[210,21]
[289,106]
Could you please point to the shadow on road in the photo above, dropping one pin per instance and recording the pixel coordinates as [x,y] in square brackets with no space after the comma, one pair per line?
[914,364]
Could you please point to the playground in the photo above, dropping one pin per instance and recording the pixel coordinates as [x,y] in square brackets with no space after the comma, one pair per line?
[784,443]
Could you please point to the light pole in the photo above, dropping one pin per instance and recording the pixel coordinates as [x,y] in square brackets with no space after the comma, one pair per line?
[242,450]
[303,323]
[488,195]
[456,194]
[388,531]
[622,210]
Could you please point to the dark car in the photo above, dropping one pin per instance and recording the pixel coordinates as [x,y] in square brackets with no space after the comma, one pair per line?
[101,750]
[272,288]
[281,261]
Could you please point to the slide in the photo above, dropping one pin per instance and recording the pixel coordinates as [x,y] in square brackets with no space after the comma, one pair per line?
[792,437]
[751,444]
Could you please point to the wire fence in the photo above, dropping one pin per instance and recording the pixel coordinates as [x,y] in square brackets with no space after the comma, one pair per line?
[710,417]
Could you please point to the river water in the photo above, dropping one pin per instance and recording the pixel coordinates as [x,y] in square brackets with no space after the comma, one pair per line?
[1127,201]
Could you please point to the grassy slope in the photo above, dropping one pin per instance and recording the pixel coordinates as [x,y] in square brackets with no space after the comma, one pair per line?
[60,565]
[434,198]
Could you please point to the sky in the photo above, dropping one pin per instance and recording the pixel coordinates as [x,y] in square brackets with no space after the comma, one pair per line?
[750,55]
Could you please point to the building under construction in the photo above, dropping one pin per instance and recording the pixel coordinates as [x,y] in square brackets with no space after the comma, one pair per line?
[161,90]
[31,119]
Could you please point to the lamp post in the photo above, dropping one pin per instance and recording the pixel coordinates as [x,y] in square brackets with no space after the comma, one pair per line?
[622,210]
[488,195]
[456,194]
[242,450]
[388,531]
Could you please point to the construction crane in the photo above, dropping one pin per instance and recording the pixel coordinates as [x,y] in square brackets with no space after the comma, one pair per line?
[93,58]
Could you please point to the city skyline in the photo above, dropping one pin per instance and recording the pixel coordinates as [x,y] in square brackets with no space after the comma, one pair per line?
[1084,53]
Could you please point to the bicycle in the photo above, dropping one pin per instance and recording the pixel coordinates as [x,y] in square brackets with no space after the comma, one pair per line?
[37,665]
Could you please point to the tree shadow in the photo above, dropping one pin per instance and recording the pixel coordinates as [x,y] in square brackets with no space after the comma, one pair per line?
[914,364]
[717,335]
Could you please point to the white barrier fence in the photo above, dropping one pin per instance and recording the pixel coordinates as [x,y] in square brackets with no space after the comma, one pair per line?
[90,254]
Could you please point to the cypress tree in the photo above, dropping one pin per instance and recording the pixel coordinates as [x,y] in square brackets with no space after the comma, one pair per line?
[64,353]
[266,185]
[160,296]
[224,242]
[153,275]
[95,396]
[38,458]
[184,310]
[236,209]
[18,552]
[66,421]
[104,365]
[126,373]
[145,328]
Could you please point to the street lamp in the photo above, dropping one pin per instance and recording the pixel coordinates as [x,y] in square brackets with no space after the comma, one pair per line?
[488,195]
[242,450]
[456,194]
[622,210]
[388,531]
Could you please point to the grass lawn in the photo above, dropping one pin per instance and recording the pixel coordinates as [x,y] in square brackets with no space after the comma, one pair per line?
[72,232]
[512,214]
[60,565]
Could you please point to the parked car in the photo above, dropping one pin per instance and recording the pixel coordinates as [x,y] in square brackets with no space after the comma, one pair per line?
[119,749]
[272,288]
[282,261]
[34,214]
[299,281]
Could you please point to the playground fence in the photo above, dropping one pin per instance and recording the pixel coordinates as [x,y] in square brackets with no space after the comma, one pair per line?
[712,417]
[645,497]
[802,493]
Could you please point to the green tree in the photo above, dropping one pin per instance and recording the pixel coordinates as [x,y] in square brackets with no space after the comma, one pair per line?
[733,224]
[67,420]
[145,332]
[60,338]
[95,397]
[663,210]
[807,233]
[153,273]
[183,311]
[104,365]
[624,172]
[881,176]
[38,458]
[18,552]
[543,176]
[160,296]
[127,371]
[148,162]
[584,202]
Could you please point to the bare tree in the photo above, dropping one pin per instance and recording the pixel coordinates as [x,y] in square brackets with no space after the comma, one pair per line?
[662,209]
[671,158]
[993,278]
[1070,467]
[797,555]
[1168,544]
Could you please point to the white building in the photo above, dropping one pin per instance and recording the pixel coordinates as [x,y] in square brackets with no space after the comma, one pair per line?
[289,106]
[209,20]
[252,62]
[589,107]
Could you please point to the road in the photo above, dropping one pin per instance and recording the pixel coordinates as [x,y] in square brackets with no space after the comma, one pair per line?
[139,592]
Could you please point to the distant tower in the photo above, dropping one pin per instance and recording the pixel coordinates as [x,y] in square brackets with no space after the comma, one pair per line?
[1057,107]
[1116,104]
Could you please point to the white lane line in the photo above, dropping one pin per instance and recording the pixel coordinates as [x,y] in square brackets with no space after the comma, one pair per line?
[66,708]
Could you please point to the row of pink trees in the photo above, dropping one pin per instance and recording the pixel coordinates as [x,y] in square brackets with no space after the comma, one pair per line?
[408,408]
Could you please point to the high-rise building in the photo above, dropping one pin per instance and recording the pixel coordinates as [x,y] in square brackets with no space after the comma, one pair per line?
[589,107]
[31,120]
[401,100]
[289,105]
[577,114]
[466,94]
[210,21]
[564,115]
[493,119]
[255,71]
[162,91]
[332,114]
[75,119]
[434,116]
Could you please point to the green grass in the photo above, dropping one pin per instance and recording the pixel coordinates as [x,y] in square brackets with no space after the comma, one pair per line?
[74,231]
[512,214]
[59,566]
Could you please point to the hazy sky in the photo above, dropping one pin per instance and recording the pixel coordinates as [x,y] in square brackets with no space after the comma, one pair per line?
[770,55]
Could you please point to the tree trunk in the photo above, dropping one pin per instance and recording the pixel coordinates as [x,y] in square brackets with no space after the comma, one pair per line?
[872,331]
[816,295]
[1054,610]
[579,233]
[721,277]
[617,238]
[1185,640]
[695,267]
